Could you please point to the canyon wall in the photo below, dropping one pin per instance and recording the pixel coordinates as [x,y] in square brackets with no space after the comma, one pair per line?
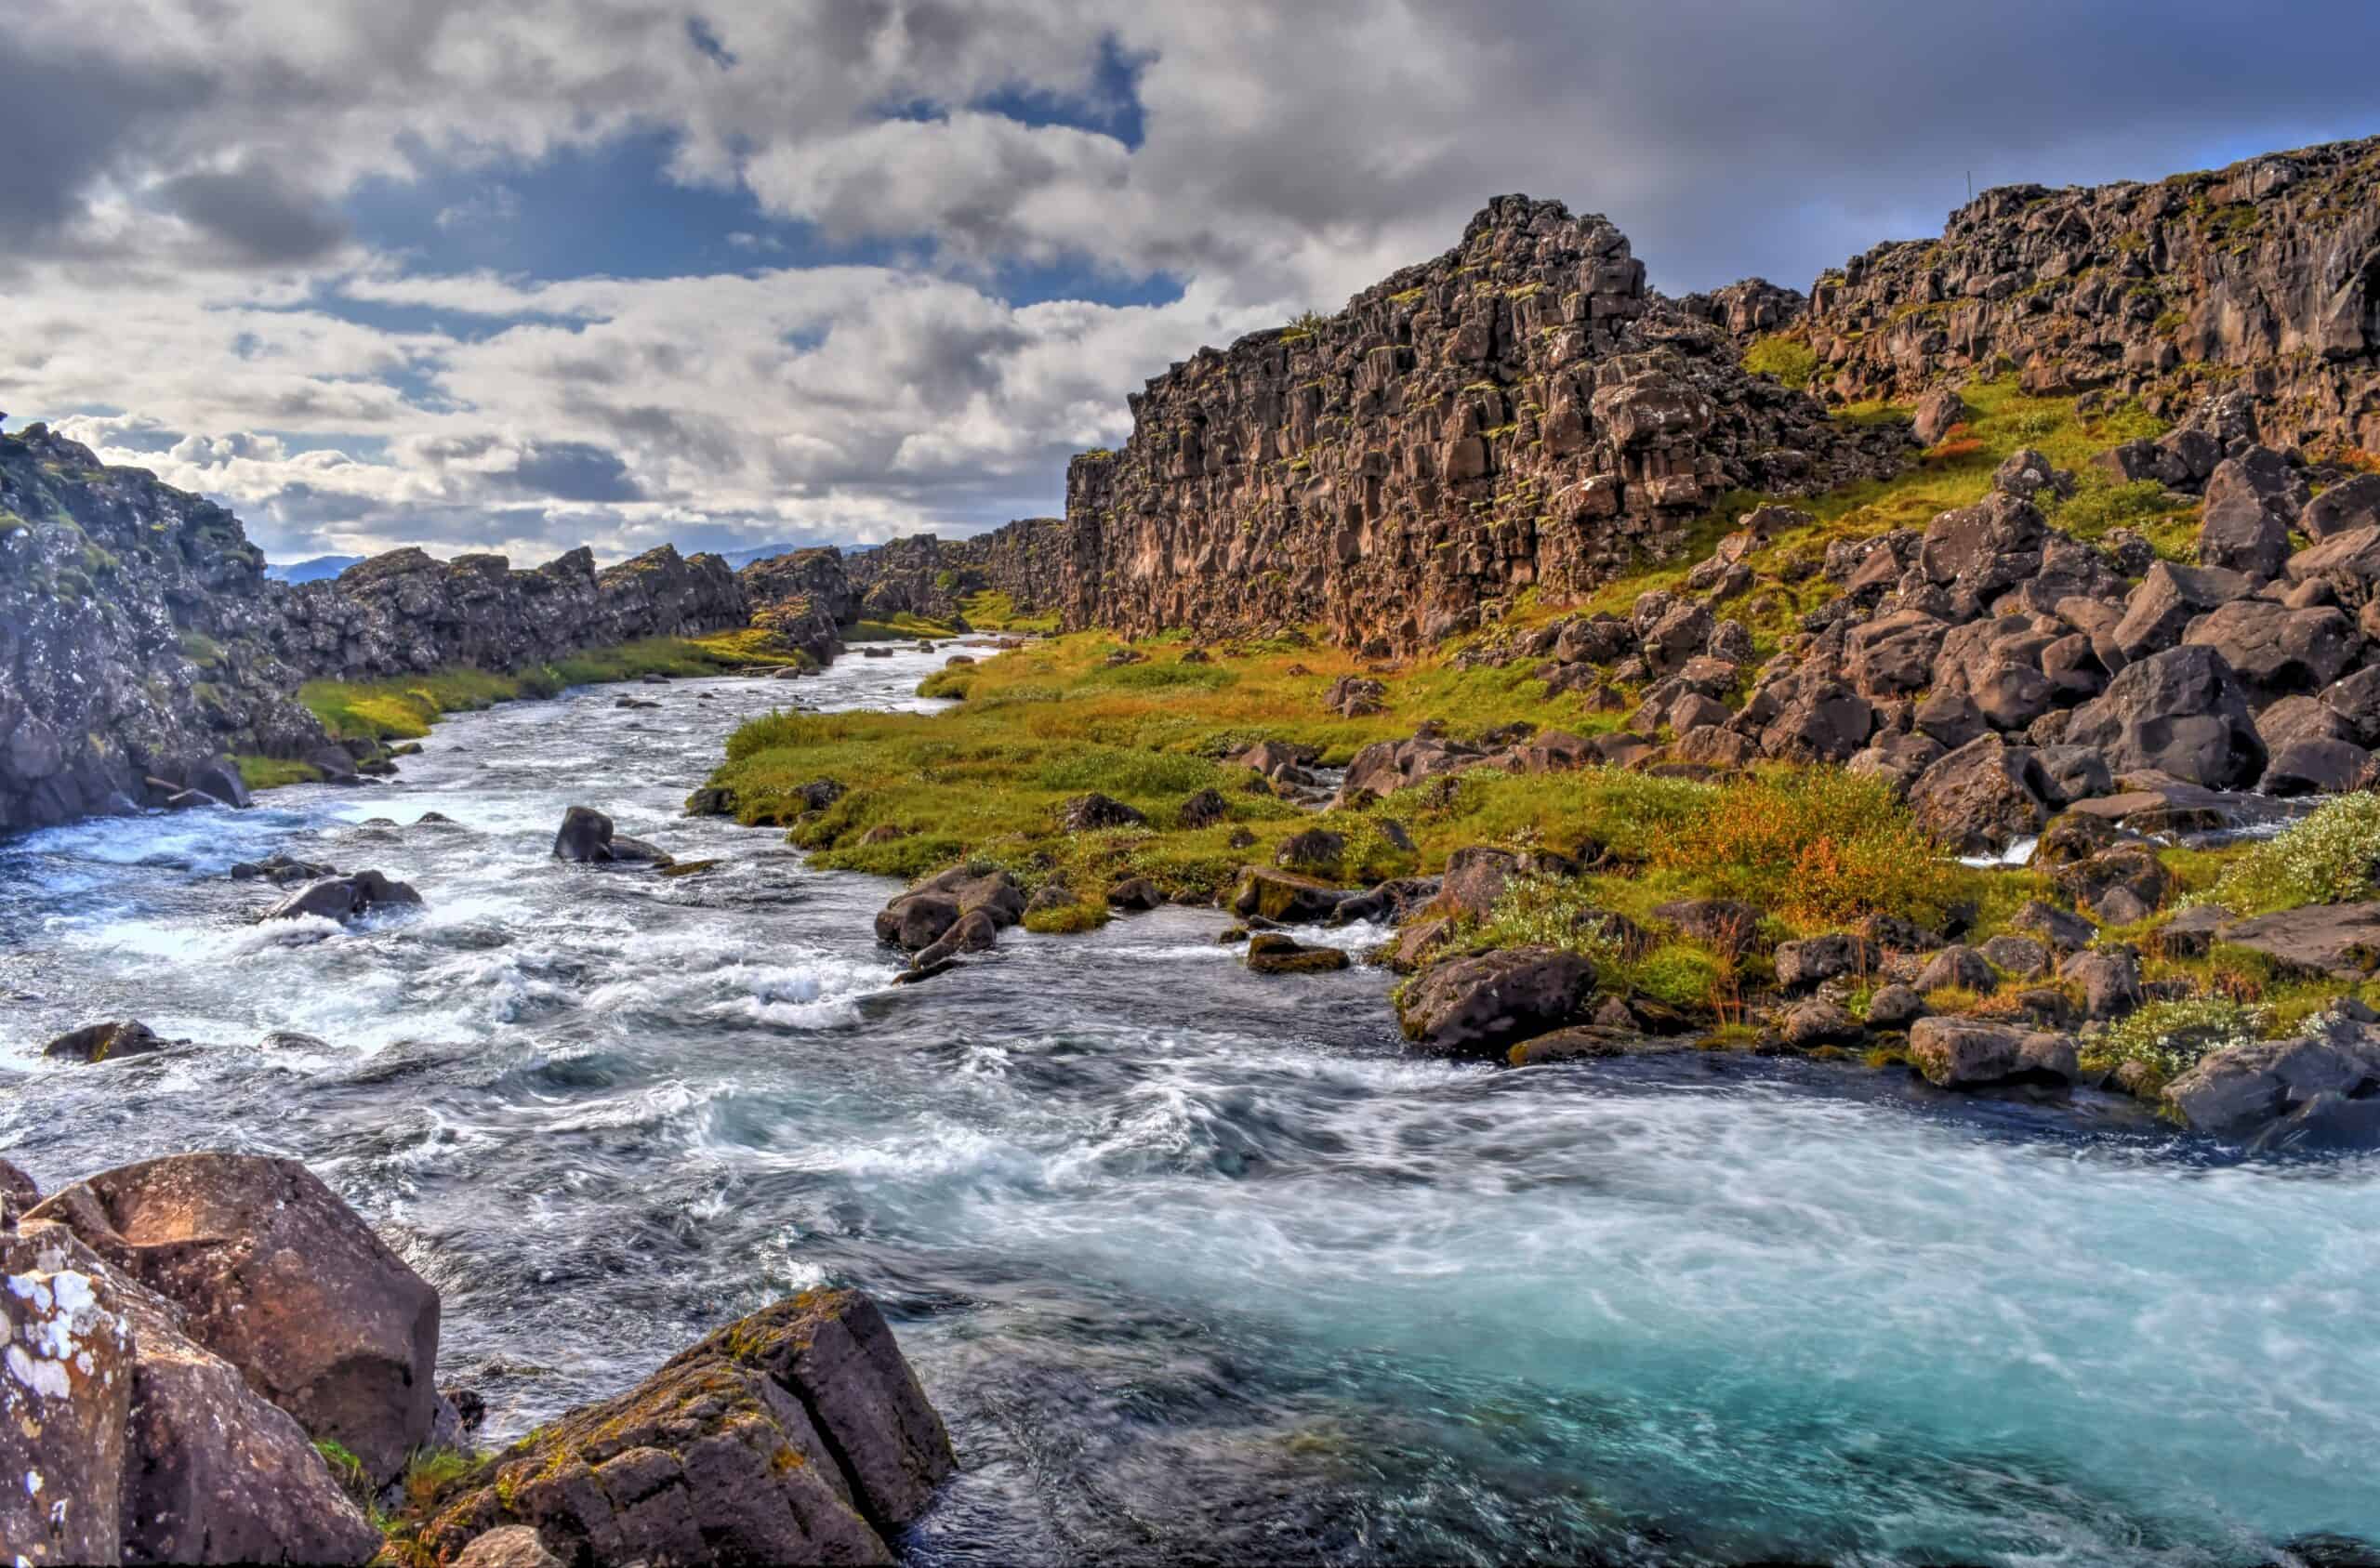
[1520,413]
[140,639]
[934,577]
[2261,278]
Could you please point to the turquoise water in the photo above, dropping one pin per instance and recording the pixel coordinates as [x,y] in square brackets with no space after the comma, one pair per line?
[1199,1265]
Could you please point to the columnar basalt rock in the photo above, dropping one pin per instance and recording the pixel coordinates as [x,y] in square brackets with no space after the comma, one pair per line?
[934,577]
[802,599]
[1520,412]
[2261,278]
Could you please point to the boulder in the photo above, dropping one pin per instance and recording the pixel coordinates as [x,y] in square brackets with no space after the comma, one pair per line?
[1203,809]
[2275,652]
[279,1277]
[2018,955]
[1475,878]
[1723,926]
[2181,712]
[1482,1006]
[2059,929]
[1937,412]
[1269,953]
[2132,870]
[2347,560]
[1963,1052]
[2111,982]
[1136,895]
[797,1434]
[916,921]
[1315,849]
[1814,1021]
[1356,696]
[346,898]
[2161,608]
[2239,1090]
[1962,968]
[584,838]
[1802,965]
[105,1042]
[1894,1006]
[220,780]
[2314,767]
[510,1546]
[1095,812]
[1284,896]
[2351,503]
[1982,795]
[2239,529]
[17,1194]
[2338,939]
[65,1402]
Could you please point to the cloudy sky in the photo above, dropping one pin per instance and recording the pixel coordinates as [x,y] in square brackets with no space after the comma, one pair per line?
[732,272]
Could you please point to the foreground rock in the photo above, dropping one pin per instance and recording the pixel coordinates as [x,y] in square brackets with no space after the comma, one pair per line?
[961,906]
[796,1435]
[275,1274]
[2272,1089]
[125,1440]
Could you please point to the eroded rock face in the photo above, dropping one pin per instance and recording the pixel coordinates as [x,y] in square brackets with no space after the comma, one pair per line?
[2166,290]
[1518,412]
[934,577]
[797,1434]
[2245,1089]
[273,1272]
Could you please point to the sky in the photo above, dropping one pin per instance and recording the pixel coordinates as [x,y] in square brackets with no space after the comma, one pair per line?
[524,275]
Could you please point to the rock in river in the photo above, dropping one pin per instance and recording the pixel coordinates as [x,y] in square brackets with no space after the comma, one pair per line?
[1482,1006]
[1272,953]
[797,1434]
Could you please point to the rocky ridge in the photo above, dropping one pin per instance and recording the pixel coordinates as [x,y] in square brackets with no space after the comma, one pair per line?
[1520,413]
[141,641]
[933,578]
[2262,277]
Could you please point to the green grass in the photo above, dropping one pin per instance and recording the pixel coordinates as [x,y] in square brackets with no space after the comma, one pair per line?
[1787,356]
[271,772]
[904,628]
[2330,857]
[994,611]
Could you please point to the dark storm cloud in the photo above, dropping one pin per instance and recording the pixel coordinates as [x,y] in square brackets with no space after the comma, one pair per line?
[573,471]
[255,217]
[67,117]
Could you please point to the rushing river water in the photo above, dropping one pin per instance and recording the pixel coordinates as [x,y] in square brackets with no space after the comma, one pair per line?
[1198,1265]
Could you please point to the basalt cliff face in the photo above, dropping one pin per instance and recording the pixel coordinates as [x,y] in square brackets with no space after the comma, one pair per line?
[140,639]
[1520,412]
[934,577]
[2263,278]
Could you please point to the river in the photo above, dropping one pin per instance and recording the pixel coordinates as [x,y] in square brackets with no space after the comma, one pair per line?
[1197,1264]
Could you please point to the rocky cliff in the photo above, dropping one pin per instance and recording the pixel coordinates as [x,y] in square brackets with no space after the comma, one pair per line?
[803,599]
[934,577]
[140,639]
[2263,277]
[1520,413]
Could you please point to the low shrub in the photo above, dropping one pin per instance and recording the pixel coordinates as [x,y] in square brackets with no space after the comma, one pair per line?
[2330,857]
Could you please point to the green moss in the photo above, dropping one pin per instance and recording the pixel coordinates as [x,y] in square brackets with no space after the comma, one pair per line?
[271,772]
[1785,355]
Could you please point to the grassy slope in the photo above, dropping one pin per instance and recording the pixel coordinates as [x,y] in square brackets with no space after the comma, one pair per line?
[986,779]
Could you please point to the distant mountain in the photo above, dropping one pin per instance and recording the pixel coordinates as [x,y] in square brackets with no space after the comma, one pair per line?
[312,571]
[739,559]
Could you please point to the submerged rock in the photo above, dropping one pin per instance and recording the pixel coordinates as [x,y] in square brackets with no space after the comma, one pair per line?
[797,1434]
[584,838]
[346,898]
[105,1042]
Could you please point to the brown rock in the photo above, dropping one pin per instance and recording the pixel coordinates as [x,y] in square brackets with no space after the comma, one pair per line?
[797,1434]
[105,1042]
[1483,1006]
[1963,1052]
[276,1276]
[1272,953]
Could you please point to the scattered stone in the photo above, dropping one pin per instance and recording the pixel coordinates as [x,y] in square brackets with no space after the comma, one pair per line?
[1587,1042]
[346,898]
[2180,712]
[1272,953]
[1894,1006]
[2338,939]
[1203,809]
[1802,965]
[1814,1021]
[1962,967]
[96,1043]
[1962,1052]
[1095,812]
[2018,955]
[2241,1089]
[1316,849]
[1481,1005]
[2111,982]
[1136,894]
[1284,896]
[1722,925]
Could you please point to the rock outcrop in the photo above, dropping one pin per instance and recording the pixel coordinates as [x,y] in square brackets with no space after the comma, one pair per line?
[141,641]
[934,577]
[797,1434]
[2261,278]
[803,600]
[1521,412]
